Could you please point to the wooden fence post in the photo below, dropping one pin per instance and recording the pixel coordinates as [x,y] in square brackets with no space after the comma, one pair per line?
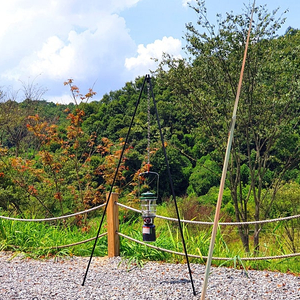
[113,225]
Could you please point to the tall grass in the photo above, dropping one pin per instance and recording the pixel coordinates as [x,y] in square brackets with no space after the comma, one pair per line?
[41,239]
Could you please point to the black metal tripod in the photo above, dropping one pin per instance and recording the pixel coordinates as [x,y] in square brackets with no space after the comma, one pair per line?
[147,80]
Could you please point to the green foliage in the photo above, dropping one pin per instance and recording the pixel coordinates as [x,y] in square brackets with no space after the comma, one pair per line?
[212,196]
[205,175]
[180,168]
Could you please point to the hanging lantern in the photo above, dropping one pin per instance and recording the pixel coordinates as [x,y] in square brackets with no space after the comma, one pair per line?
[148,205]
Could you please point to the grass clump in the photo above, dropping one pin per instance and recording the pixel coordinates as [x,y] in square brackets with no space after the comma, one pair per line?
[45,240]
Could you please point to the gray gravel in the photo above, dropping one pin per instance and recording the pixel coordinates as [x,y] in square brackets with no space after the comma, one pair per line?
[113,278]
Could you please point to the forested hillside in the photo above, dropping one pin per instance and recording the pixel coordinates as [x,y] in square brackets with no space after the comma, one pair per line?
[56,159]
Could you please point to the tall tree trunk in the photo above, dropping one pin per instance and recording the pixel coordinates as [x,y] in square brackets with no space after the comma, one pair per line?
[257,229]
[243,229]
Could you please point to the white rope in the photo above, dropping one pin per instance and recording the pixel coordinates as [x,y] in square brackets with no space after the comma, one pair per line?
[68,245]
[78,243]
[220,223]
[128,207]
[232,223]
[55,218]
[158,216]
[159,248]
[205,257]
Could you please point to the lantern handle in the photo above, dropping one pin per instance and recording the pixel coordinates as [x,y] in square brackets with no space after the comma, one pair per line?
[149,173]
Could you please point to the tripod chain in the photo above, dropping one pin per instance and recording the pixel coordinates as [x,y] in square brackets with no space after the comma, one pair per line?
[149,121]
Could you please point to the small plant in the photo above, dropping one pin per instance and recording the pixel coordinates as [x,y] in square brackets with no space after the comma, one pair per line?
[236,259]
[131,262]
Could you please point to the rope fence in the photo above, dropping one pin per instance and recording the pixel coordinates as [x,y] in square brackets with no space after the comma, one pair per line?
[157,216]
[68,245]
[211,223]
[117,233]
[205,257]
[77,243]
[54,218]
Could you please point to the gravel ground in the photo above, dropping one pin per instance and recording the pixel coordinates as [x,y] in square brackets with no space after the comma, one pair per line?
[113,278]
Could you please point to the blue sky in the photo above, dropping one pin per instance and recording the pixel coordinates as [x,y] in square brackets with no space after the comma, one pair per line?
[98,43]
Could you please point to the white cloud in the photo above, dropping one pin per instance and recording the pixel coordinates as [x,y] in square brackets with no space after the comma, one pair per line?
[117,5]
[63,99]
[147,56]
[82,53]
[84,40]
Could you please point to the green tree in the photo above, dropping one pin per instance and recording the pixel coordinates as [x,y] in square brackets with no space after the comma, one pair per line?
[13,125]
[268,113]
[288,204]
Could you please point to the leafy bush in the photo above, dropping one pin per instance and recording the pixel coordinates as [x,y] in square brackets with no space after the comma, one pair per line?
[205,175]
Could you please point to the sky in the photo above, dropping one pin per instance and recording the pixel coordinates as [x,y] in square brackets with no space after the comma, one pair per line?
[100,44]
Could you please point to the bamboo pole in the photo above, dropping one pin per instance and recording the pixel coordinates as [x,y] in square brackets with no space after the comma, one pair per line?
[225,165]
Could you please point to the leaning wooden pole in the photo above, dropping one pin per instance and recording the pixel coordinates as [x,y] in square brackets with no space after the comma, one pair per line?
[225,165]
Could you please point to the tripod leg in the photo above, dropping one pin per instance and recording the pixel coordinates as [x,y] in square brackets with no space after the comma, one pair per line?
[114,180]
[172,187]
